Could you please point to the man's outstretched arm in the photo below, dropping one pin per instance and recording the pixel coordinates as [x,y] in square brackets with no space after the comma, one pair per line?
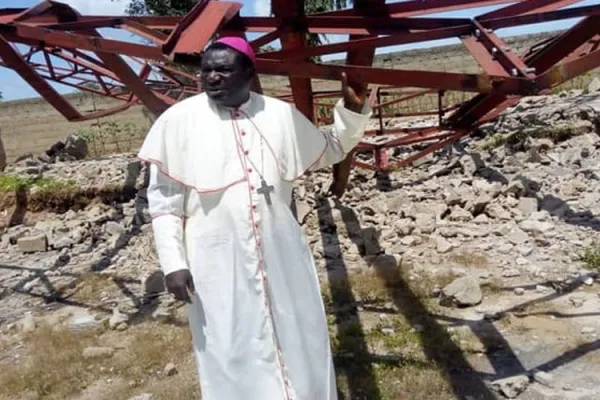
[351,116]
[166,199]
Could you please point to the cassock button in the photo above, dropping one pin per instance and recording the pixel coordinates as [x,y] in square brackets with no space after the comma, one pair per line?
[246,152]
[243,133]
[250,170]
[252,188]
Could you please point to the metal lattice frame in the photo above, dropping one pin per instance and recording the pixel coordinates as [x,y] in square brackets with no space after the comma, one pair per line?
[52,31]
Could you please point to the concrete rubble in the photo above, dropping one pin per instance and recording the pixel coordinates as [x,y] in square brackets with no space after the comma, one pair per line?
[521,212]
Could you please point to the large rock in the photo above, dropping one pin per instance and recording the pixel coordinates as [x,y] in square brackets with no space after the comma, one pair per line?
[478,205]
[114,228]
[464,291]
[533,226]
[511,387]
[517,236]
[594,86]
[82,321]
[425,223]
[442,245]
[170,369]
[516,188]
[496,211]
[458,214]
[27,324]
[143,396]
[76,147]
[528,205]
[118,320]
[471,163]
[404,226]
[33,244]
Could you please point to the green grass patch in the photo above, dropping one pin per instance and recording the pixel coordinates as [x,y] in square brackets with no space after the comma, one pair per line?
[11,183]
[591,256]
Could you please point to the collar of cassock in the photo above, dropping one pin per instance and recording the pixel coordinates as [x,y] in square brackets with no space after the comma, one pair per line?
[244,108]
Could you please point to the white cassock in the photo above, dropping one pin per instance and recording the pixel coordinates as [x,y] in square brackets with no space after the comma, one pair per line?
[257,319]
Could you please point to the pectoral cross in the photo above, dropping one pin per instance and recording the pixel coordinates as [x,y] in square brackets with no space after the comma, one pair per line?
[265,190]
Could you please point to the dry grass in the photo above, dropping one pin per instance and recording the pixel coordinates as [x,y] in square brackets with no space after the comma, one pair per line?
[91,287]
[415,375]
[492,286]
[143,350]
[55,368]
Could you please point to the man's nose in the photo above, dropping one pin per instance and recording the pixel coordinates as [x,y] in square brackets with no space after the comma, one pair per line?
[213,77]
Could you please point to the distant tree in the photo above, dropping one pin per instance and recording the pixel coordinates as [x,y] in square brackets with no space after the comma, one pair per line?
[181,7]
[318,6]
[160,7]
[92,85]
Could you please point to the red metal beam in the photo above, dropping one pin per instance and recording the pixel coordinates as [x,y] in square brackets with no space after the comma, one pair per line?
[294,39]
[369,43]
[47,37]
[355,25]
[420,7]
[51,27]
[421,79]
[527,7]
[143,31]
[512,64]
[549,16]
[564,72]
[13,60]
[565,44]
[341,171]
[191,36]
[265,39]
[483,57]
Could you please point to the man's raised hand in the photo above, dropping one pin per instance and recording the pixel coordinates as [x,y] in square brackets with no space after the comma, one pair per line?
[181,285]
[354,94]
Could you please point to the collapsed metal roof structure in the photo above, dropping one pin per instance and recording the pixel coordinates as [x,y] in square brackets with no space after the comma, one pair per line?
[65,47]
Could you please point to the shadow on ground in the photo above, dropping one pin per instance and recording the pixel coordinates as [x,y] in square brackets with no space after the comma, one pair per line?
[465,381]
[146,303]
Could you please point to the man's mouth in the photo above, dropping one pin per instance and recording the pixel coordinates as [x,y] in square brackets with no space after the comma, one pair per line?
[215,90]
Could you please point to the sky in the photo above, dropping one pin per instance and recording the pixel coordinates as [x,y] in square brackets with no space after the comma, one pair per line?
[13,87]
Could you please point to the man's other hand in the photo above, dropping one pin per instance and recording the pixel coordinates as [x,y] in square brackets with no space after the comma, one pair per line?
[181,285]
[354,94]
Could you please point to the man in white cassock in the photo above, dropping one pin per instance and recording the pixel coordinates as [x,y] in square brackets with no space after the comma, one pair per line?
[222,169]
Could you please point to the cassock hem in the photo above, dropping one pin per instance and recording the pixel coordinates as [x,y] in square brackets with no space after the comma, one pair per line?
[199,190]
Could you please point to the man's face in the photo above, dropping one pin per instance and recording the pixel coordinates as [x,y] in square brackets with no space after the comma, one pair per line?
[223,78]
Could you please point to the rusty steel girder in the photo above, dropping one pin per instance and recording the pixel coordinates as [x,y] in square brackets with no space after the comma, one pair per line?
[52,42]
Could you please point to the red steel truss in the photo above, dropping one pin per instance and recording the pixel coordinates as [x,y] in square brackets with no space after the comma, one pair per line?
[52,42]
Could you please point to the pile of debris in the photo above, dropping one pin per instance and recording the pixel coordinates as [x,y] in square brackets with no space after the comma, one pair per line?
[72,148]
[521,209]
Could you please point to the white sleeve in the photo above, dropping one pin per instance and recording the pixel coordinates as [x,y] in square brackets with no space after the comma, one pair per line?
[346,132]
[166,203]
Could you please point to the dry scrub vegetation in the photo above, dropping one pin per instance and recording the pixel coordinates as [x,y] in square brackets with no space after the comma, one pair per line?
[392,334]
[54,365]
